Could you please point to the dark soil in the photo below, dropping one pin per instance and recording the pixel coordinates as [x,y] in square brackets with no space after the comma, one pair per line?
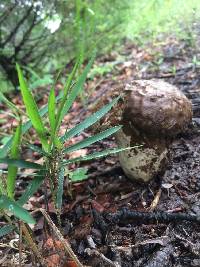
[89,206]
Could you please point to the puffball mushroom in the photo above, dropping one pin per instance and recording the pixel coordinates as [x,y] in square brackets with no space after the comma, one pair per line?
[152,113]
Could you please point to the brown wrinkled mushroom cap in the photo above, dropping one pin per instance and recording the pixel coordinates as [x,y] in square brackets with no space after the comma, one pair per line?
[156,107]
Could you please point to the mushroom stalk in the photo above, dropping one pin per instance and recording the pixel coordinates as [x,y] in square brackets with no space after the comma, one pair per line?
[143,162]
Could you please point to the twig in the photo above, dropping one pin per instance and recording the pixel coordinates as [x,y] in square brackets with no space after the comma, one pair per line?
[20,244]
[66,245]
[125,216]
[163,241]
[155,200]
[32,243]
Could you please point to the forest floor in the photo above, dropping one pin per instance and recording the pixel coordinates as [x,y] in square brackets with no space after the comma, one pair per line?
[94,214]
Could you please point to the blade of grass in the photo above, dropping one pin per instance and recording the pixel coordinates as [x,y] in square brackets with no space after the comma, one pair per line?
[15,209]
[92,139]
[10,104]
[67,86]
[69,97]
[96,155]
[14,154]
[38,150]
[32,109]
[30,190]
[77,88]
[21,163]
[88,121]
[52,109]
[6,230]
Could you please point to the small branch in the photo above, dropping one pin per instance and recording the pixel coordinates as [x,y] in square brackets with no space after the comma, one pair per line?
[32,243]
[66,245]
[25,36]
[20,244]
[126,216]
[7,13]
[155,200]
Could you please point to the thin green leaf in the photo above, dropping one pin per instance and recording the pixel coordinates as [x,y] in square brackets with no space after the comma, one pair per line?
[60,187]
[38,150]
[31,189]
[6,230]
[60,115]
[88,121]
[92,139]
[61,110]
[52,109]
[21,163]
[5,149]
[32,109]
[77,88]
[96,155]
[9,104]
[14,154]
[15,209]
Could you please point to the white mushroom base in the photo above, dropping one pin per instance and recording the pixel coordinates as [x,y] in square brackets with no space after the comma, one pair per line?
[142,163]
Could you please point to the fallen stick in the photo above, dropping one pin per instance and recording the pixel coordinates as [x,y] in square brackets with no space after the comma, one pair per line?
[66,245]
[126,216]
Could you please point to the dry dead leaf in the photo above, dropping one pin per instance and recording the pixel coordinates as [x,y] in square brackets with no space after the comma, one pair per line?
[53,260]
[78,153]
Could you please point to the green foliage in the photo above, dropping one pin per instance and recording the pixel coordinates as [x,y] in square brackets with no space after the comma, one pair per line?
[9,104]
[78,175]
[93,139]
[21,163]
[25,127]
[150,19]
[52,148]
[96,155]
[6,230]
[14,154]
[52,109]
[36,80]
[76,89]
[32,110]
[101,69]
[88,121]
[30,36]
[25,37]
[31,189]
[7,189]
[92,24]
[15,209]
